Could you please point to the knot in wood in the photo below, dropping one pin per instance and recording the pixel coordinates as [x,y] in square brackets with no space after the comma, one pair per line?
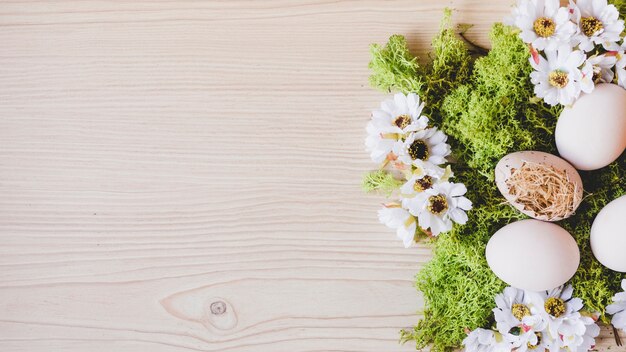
[218,307]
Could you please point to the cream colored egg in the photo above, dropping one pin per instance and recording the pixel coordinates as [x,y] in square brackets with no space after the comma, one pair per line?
[517,162]
[608,235]
[592,133]
[533,255]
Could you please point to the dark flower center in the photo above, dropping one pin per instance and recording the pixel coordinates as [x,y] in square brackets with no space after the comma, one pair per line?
[402,121]
[437,204]
[544,27]
[419,150]
[423,184]
[590,25]
[554,306]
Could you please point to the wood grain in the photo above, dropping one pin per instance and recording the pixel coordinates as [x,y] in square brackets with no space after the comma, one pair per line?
[184,175]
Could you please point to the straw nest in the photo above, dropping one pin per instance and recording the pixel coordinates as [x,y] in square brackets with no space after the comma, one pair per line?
[544,190]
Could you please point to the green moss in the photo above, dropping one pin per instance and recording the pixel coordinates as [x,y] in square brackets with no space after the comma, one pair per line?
[394,68]
[487,107]
[380,181]
[450,66]
[492,114]
[457,284]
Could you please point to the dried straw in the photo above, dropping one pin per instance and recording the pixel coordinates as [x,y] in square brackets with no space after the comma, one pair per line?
[544,190]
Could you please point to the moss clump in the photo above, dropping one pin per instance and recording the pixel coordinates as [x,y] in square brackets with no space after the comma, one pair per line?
[394,68]
[493,113]
[380,181]
[449,67]
[487,107]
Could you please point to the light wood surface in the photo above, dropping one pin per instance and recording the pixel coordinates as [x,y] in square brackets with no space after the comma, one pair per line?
[184,175]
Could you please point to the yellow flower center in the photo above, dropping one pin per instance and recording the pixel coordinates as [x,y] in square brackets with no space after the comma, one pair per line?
[544,27]
[437,204]
[423,184]
[554,306]
[520,311]
[558,79]
[590,25]
[419,150]
[402,121]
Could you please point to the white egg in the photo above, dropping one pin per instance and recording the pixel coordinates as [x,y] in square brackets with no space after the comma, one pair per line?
[533,255]
[608,235]
[592,133]
[514,161]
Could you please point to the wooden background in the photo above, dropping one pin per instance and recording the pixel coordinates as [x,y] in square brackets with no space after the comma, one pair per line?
[184,175]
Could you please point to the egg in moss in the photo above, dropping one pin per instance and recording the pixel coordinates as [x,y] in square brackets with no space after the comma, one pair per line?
[533,255]
[591,134]
[608,235]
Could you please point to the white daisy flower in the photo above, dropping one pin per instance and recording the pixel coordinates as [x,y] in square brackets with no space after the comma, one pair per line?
[538,321]
[394,217]
[544,24]
[598,69]
[589,338]
[437,207]
[618,308]
[514,310]
[425,149]
[516,319]
[557,76]
[483,340]
[392,122]
[511,308]
[419,181]
[400,115]
[566,327]
[577,334]
[556,306]
[598,23]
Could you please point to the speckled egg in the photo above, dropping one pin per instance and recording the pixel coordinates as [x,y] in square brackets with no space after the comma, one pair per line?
[608,235]
[533,255]
[592,133]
